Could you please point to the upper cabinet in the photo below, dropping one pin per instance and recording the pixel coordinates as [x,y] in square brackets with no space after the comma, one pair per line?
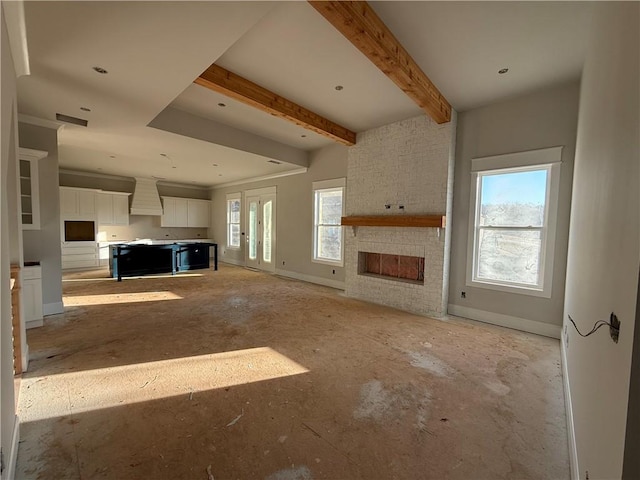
[198,213]
[105,208]
[112,208]
[29,187]
[185,212]
[77,203]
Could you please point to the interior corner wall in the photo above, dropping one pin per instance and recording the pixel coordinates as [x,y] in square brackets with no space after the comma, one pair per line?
[43,245]
[541,119]
[604,241]
[8,155]
[294,214]
[631,466]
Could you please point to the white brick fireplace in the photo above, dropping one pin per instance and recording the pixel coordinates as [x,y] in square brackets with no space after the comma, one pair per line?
[405,168]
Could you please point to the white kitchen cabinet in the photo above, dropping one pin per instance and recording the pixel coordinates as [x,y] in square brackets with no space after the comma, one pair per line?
[32,296]
[185,212]
[77,203]
[80,256]
[169,214]
[29,188]
[198,213]
[121,209]
[112,208]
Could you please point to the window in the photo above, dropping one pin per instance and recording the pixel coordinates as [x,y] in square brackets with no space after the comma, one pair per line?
[233,221]
[513,219]
[327,212]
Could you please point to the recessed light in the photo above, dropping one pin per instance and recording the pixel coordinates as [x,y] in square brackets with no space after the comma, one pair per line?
[502,71]
[85,109]
[222,104]
[339,87]
[100,70]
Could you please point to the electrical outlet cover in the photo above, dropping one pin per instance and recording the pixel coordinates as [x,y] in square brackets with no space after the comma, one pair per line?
[614,327]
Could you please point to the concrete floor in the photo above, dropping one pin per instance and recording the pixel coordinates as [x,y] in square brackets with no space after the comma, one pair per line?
[240,375]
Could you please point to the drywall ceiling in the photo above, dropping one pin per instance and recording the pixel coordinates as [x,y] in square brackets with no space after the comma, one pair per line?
[154,50]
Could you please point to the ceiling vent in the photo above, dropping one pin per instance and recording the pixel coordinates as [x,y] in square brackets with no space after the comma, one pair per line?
[68,119]
[146,200]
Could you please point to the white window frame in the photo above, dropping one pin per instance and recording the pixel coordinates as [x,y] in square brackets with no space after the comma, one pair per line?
[549,159]
[230,198]
[336,184]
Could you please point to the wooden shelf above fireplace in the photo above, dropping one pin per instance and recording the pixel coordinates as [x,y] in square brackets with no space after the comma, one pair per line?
[425,221]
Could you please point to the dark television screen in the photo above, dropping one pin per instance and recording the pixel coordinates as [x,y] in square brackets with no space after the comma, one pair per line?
[79,231]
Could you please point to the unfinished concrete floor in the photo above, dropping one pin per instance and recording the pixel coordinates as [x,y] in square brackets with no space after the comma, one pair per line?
[242,375]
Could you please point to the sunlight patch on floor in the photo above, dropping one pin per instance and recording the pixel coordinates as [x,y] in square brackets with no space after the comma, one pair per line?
[111,298]
[84,391]
[111,279]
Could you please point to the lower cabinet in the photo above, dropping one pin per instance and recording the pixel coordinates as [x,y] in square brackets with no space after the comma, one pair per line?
[32,296]
[79,256]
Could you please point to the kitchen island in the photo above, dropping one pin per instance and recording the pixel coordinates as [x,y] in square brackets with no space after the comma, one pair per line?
[134,259]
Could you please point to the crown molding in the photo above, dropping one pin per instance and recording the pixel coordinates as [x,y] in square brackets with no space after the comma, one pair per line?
[17,33]
[39,122]
[296,171]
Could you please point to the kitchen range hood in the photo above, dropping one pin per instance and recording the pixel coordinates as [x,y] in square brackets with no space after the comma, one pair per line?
[146,200]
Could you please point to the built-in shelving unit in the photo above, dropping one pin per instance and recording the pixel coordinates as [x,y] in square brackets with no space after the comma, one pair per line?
[29,188]
[424,221]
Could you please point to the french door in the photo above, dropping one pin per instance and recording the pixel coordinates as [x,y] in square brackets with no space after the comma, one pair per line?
[261,226]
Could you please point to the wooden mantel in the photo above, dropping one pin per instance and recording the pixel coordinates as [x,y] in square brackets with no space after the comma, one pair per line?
[428,221]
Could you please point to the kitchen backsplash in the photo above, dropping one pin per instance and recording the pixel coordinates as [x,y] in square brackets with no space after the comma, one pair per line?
[146,226]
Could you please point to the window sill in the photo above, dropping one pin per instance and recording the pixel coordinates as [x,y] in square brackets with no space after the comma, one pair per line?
[528,291]
[328,262]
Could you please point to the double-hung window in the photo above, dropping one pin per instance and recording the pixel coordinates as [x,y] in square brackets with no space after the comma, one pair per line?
[513,221]
[233,221]
[328,208]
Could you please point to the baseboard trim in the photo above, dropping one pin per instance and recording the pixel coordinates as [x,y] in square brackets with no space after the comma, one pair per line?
[232,261]
[52,308]
[13,455]
[311,279]
[517,323]
[568,405]
[34,323]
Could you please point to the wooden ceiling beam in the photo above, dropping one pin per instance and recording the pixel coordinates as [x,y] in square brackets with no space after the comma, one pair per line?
[358,22]
[228,83]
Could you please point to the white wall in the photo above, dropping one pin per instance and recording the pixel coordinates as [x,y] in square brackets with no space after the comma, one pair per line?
[43,245]
[9,127]
[541,119]
[604,256]
[294,214]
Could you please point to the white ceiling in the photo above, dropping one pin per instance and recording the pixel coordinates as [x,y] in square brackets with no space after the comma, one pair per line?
[154,50]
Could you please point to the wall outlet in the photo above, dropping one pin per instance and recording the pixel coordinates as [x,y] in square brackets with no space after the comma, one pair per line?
[283,262]
[334,272]
[614,328]
[463,294]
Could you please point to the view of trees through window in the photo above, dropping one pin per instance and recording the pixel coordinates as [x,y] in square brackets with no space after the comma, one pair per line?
[510,226]
[233,222]
[327,222]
